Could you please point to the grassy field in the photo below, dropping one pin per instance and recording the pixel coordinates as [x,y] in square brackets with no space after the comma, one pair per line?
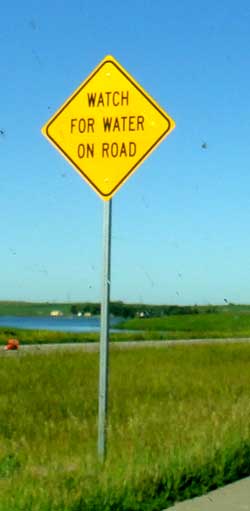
[179,424]
[52,337]
[194,326]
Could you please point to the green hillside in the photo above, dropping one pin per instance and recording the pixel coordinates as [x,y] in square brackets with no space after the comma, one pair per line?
[221,324]
[9,308]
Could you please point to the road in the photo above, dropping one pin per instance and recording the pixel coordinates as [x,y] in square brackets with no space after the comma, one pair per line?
[233,497]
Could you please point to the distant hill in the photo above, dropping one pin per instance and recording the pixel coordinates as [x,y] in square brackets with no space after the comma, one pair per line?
[9,308]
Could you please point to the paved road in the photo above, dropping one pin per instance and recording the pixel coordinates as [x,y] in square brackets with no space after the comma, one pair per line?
[234,497]
[94,346]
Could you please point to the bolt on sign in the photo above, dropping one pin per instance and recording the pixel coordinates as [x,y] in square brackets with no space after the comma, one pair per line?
[108,127]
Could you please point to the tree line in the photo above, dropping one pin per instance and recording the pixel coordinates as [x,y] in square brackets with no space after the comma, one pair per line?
[131,310]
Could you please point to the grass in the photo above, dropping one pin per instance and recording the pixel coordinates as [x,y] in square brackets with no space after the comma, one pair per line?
[29,337]
[179,424]
[194,326]
[45,336]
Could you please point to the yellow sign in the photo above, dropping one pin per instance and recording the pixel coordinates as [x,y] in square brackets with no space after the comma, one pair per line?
[108,127]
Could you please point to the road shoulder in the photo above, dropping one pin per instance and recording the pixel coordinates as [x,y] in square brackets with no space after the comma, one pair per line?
[233,497]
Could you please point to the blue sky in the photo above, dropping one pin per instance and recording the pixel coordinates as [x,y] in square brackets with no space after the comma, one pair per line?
[181,222]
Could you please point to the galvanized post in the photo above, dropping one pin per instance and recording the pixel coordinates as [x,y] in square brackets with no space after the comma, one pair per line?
[104,334]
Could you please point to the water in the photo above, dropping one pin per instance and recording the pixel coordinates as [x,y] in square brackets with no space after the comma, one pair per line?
[59,324]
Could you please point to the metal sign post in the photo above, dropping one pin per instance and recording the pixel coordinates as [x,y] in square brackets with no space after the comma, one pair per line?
[104,334]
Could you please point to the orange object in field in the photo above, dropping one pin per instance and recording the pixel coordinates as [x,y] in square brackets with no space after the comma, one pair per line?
[13,344]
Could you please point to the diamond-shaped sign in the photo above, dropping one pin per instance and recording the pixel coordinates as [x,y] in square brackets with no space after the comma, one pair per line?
[108,127]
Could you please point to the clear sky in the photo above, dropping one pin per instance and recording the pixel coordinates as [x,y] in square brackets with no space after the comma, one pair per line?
[181,222]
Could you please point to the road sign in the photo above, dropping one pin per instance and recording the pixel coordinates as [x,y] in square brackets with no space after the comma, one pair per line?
[108,127]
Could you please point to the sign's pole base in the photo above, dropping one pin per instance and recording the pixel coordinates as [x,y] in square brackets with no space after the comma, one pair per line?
[104,334]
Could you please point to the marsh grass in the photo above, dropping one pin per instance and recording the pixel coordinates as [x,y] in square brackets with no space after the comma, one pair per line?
[45,336]
[179,424]
[193,326]
[29,337]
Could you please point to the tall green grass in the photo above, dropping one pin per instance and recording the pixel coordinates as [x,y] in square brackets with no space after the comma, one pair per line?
[179,424]
[29,337]
[226,324]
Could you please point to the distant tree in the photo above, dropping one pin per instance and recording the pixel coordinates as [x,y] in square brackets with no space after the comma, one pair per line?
[74,309]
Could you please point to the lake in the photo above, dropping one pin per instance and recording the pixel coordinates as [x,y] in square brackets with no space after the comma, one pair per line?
[59,324]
